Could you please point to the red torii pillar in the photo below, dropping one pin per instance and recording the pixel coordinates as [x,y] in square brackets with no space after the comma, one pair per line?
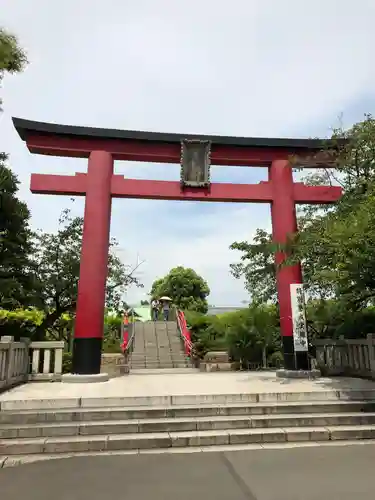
[89,325]
[99,186]
[284,223]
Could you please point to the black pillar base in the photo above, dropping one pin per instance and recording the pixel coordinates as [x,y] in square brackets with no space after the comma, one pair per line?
[288,351]
[302,361]
[87,356]
[294,360]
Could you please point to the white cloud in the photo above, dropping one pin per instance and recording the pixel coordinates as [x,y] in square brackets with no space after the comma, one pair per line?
[244,67]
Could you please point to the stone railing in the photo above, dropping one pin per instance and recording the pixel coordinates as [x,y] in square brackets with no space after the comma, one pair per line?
[46,360]
[14,362]
[354,358]
[23,361]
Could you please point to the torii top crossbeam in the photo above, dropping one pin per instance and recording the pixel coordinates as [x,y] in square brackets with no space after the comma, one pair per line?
[195,153]
[79,142]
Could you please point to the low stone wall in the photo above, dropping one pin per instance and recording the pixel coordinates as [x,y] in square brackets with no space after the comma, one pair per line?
[114,364]
[216,361]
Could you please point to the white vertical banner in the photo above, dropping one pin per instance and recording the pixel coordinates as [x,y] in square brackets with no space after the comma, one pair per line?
[297,298]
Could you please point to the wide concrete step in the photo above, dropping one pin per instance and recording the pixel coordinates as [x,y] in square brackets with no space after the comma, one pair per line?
[144,358]
[184,398]
[157,366]
[157,360]
[15,460]
[172,359]
[109,427]
[274,409]
[138,441]
[161,365]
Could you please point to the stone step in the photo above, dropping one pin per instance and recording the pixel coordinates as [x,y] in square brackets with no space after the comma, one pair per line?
[109,427]
[144,358]
[15,460]
[137,441]
[158,361]
[275,409]
[170,365]
[172,359]
[159,365]
[245,398]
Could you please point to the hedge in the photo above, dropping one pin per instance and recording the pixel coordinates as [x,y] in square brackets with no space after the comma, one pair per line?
[20,322]
[23,323]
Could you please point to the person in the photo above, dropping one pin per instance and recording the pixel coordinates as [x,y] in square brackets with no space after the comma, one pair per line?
[166,307]
[155,309]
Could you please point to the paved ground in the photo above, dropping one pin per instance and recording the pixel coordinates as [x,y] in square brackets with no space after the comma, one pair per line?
[335,473]
[166,384]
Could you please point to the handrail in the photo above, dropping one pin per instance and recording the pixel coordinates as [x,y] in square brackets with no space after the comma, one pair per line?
[128,344]
[184,332]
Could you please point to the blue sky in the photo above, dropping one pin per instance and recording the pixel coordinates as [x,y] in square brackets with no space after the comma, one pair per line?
[239,67]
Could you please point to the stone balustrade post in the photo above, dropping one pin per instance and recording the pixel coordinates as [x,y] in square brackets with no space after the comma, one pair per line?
[371,353]
[9,357]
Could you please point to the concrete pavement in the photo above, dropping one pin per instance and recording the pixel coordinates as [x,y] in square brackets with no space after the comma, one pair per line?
[337,473]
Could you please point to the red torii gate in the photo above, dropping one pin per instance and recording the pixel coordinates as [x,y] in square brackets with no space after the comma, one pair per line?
[100,185]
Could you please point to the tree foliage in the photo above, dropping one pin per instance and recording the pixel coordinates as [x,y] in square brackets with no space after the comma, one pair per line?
[185,287]
[15,243]
[257,266]
[57,263]
[335,244]
[254,332]
[14,216]
[12,57]
[331,318]
[250,335]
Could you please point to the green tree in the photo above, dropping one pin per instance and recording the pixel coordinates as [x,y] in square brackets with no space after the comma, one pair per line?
[331,318]
[12,57]
[335,243]
[253,333]
[185,287]
[15,245]
[266,326]
[257,267]
[57,262]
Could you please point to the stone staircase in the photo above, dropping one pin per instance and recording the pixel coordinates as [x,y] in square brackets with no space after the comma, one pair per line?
[197,423]
[157,345]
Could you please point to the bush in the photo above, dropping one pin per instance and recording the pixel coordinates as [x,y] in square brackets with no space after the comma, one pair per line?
[20,322]
[276,359]
[207,333]
[112,327]
[249,335]
[67,362]
[111,345]
[333,318]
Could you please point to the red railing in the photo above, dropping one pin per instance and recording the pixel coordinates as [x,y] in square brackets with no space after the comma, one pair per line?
[127,343]
[184,332]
